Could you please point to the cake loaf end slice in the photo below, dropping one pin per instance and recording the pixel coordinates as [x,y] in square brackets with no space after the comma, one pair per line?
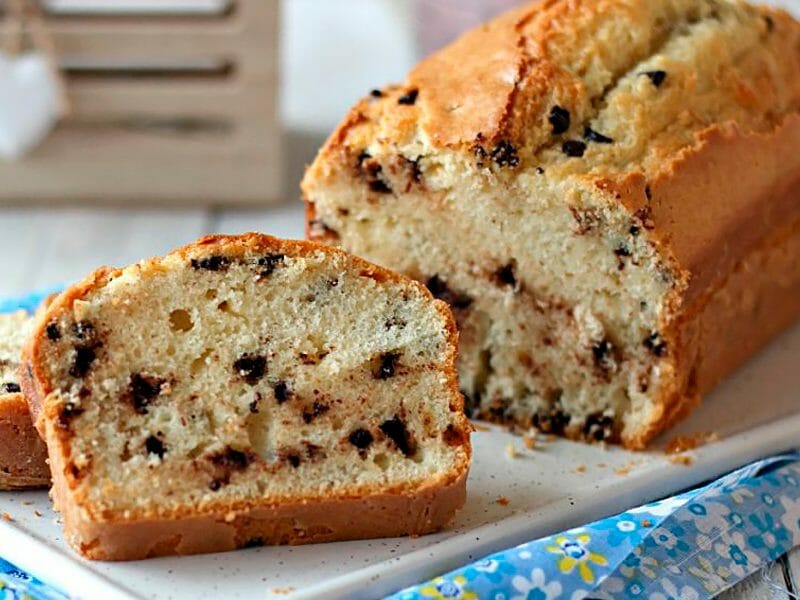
[247,390]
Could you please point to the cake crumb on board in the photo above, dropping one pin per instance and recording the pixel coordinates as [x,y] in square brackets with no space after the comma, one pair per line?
[580,469]
[511,450]
[682,443]
[8,517]
[479,427]
[681,459]
[503,501]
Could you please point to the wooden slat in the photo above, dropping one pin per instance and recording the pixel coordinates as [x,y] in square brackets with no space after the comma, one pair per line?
[145,180]
[284,220]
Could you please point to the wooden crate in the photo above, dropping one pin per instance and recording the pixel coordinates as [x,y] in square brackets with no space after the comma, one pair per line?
[165,108]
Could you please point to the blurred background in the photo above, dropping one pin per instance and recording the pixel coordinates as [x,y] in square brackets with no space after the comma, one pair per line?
[129,127]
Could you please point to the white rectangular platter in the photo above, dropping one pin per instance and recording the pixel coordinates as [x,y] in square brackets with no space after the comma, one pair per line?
[556,485]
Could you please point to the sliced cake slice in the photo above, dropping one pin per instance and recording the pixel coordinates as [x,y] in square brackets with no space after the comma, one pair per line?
[246,390]
[23,456]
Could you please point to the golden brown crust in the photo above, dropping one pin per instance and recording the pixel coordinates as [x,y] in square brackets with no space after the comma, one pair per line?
[23,455]
[223,525]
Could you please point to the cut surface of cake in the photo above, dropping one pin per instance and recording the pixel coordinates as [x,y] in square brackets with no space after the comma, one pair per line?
[23,456]
[246,390]
[606,193]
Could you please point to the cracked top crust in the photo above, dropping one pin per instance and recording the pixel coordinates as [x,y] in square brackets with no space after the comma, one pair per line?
[647,74]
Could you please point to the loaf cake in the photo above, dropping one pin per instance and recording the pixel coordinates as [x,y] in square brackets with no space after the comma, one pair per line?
[246,390]
[606,193]
[23,456]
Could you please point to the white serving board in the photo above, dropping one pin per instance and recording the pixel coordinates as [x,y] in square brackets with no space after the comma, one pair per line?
[756,413]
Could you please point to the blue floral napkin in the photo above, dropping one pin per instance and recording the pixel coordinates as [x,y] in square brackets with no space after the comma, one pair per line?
[692,546]
[688,547]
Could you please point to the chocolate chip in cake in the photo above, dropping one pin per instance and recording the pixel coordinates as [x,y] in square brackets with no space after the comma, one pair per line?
[376,93]
[361,438]
[394,322]
[293,458]
[281,391]
[438,287]
[621,252]
[84,330]
[552,419]
[414,170]
[598,427]
[409,98]
[10,388]
[380,186]
[362,156]
[648,193]
[211,263]
[82,362]
[68,412]
[53,332]
[316,409]
[770,23]
[153,445]
[395,430]
[267,264]
[573,148]
[655,77]
[603,355]
[215,484]
[656,344]
[142,390]
[590,135]
[388,362]
[253,542]
[559,120]
[251,368]
[232,459]
[505,154]
[505,276]
[634,230]
[255,403]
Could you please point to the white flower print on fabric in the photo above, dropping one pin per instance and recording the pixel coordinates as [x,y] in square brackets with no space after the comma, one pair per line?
[733,547]
[535,588]
[672,592]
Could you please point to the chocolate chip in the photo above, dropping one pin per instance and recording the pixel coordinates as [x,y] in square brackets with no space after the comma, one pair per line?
[505,275]
[153,445]
[232,459]
[362,156]
[268,264]
[211,263]
[598,427]
[361,438]
[438,287]
[380,186]
[603,354]
[552,419]
[254,542]
[316,409]
[505,155]
[559,119]
[409,98]
[53,333]
[395,430]
[540,170]
[590,135]
[251,368]
[656,344]
[10,388]
[293,458]
[648,193]
[84,357]
[573,148]
[142,390]
[83,330]
[655,77]
[68,412]
[414,168]
[376,93]
[634,230]
[770,22]
[621,252]
[281,391]
[253,406]
[387,366]
[215,485]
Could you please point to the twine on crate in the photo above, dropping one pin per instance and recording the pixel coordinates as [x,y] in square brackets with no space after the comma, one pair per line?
[26,31]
